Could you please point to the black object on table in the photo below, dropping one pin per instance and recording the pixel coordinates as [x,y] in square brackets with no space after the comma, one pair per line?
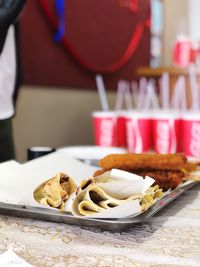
[36,152]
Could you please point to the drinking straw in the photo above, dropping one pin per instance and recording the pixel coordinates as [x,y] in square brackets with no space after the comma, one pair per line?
[141,93]
[160,94]
[151,98]
[128,97]
[182,93]
[194,88]
[164,92]
[121,87]
[102,92]
[123,93]
[174,99]
[178,100]
[134,90]
[153,94]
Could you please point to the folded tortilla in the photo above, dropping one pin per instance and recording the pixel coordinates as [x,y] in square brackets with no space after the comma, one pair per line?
[94,200]
[55,191]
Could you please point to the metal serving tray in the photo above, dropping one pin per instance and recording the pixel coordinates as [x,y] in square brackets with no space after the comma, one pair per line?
[105,224]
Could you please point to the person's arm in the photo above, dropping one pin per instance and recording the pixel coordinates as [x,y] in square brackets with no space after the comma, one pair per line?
[9,11]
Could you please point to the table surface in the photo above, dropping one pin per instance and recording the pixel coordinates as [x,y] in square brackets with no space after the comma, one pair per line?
[171,238]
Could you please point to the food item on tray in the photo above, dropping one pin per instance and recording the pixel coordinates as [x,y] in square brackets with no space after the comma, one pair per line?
[119,184]
[112,189]
[94,200]
[150,197]
[194,175]
[115,194]
[168,170]
[55,191]
[131,161]
[165,179]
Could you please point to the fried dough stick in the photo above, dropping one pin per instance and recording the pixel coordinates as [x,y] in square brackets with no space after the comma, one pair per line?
[132,161]
[165,179]
[186,168]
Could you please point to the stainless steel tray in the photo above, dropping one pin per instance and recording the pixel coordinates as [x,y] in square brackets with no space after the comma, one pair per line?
[105,224]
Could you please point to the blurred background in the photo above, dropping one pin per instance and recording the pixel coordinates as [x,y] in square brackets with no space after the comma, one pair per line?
[118,39]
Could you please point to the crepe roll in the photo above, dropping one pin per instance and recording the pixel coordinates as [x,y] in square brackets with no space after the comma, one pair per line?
[93,200]
[85,183]
[55,191]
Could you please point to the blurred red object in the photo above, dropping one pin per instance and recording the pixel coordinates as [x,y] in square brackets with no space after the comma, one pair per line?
[195,52]
[104,128]
[167,134]
[132,5]
[182,52]
[191,135]
[139,132]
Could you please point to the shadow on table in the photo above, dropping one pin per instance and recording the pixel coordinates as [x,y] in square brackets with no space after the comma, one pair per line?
[179,203]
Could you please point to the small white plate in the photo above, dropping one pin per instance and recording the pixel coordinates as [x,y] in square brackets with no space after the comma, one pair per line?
[91,154]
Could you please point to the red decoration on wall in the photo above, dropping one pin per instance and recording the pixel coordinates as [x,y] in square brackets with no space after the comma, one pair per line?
[98,34]
[125,57]
[132,5]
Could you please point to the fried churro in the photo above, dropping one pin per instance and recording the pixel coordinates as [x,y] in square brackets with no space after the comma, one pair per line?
[131,161]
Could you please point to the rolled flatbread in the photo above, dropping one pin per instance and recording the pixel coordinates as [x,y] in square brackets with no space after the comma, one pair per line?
[55,191]
[93,200]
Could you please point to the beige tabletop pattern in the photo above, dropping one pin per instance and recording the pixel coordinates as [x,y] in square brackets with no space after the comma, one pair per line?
[171,238]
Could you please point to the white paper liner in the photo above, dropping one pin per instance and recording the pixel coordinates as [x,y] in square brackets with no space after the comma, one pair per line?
[126,209]
[116,174]
[7,181]
[125,182]
[18,183]
[10,259]
[123,189]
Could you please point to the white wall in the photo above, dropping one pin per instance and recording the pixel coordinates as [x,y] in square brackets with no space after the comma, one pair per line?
[175,11]
[194,19]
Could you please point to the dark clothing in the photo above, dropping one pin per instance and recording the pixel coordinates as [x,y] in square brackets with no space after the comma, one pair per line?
[6,140]
[9,11]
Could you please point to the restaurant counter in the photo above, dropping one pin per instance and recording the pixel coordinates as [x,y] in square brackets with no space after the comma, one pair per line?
[171,238]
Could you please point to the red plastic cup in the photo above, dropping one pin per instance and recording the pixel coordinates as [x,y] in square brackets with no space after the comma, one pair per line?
[167,132]
[191,135]
[121,129]
[139,132]
[104,128]
[182,52]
